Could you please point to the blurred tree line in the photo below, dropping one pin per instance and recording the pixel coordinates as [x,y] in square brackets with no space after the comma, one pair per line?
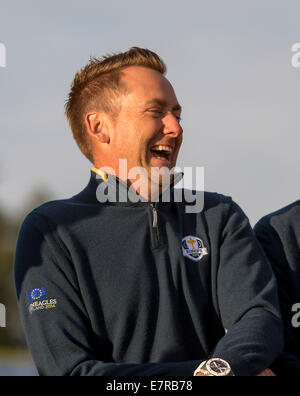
[12,337]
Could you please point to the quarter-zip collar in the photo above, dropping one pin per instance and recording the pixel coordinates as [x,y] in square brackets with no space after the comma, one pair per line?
[117,192]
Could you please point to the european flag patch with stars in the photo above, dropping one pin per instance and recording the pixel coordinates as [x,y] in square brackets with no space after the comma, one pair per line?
[37,294]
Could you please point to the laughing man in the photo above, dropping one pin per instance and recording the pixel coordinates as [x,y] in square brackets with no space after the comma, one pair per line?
[141,287]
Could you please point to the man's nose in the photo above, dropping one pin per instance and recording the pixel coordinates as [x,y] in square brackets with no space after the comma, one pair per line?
[172,126]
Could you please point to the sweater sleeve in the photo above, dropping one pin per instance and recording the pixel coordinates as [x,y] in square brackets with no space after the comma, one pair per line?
[287,364]
[248,300]
[57,326]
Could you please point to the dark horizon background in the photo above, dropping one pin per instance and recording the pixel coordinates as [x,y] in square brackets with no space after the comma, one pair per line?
[230,63]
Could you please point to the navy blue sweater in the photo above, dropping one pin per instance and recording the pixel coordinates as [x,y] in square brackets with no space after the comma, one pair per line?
[123,288]
[279,234]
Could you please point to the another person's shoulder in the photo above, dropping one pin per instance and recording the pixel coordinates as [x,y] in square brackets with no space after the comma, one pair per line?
[280,220]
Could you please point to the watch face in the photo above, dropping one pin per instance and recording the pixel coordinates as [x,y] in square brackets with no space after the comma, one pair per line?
[218,367]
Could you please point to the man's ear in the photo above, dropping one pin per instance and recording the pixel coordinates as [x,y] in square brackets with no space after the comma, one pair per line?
[97,127]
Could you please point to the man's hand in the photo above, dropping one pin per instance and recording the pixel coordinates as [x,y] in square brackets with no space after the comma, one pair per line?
[267,373]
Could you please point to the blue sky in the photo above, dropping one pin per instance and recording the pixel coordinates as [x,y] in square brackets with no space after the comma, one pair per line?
[229,62]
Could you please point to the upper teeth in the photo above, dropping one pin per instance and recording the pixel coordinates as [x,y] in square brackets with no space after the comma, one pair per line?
[162,148]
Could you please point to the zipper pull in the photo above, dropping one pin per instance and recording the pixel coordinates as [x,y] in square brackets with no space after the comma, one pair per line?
[155,218]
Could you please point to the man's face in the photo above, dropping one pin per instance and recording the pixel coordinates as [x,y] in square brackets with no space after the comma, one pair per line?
[147,131]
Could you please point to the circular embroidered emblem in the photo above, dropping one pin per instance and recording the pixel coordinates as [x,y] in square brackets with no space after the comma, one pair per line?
[193,248]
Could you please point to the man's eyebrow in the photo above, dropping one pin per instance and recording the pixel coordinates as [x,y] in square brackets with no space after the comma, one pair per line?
[163,103]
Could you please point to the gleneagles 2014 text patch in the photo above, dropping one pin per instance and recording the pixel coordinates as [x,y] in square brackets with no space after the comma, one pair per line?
[39,301]
[193,248]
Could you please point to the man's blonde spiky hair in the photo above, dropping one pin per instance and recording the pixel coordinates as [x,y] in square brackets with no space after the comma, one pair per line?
[98,86]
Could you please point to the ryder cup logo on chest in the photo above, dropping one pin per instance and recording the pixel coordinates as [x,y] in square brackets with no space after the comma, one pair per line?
[193,248]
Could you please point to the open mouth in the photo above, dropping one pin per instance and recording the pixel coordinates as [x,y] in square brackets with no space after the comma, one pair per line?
[162,152]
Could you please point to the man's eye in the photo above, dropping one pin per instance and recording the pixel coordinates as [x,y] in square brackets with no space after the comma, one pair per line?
[158,112]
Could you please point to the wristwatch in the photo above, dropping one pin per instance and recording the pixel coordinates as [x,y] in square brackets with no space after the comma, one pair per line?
[214,368]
